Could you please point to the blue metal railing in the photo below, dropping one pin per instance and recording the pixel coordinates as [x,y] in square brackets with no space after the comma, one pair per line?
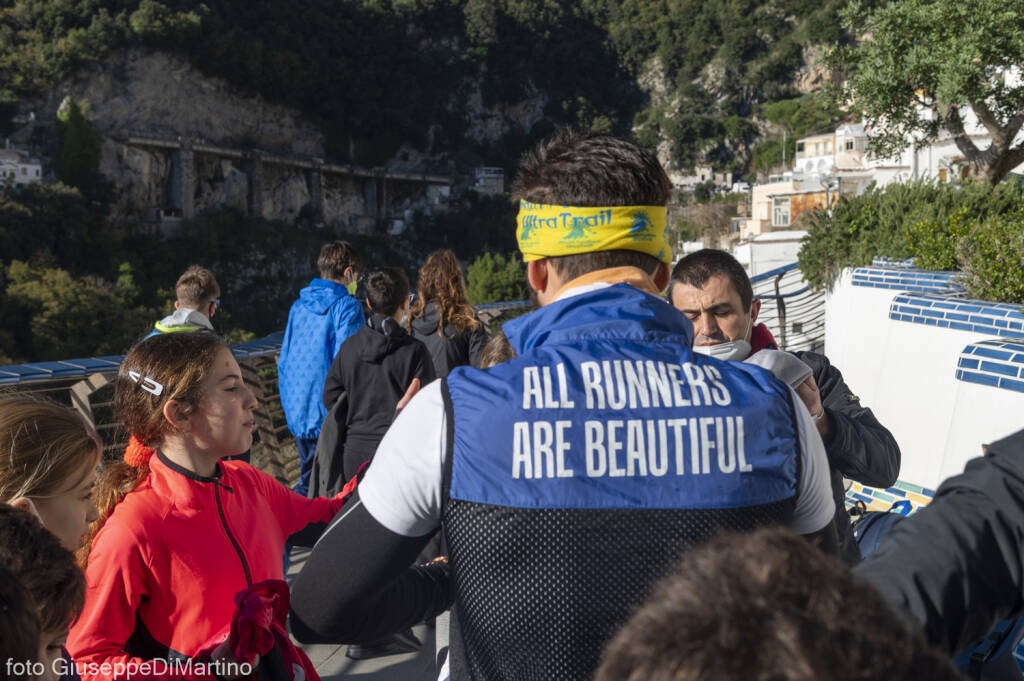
[782,304]
[84,367]
[790,309]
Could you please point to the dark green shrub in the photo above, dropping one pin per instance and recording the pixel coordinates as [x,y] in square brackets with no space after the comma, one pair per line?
[933,242]
[493,278]
[923,220]
[992,259]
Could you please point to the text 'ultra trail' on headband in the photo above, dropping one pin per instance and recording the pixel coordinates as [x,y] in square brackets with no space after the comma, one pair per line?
[547,231]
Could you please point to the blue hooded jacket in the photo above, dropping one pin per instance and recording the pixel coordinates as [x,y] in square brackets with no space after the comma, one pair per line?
[323,317]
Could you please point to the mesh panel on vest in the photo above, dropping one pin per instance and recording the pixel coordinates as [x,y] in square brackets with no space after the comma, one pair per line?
[540,591]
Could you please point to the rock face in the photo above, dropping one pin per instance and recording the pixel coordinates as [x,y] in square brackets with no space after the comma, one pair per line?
[489,124]
[159,96]
[812,74]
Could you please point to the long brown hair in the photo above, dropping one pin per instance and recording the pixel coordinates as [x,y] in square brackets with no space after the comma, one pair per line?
[441,281]
[155,371]
[42,445]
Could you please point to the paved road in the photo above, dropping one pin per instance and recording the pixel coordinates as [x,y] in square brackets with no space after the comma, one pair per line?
[332,665]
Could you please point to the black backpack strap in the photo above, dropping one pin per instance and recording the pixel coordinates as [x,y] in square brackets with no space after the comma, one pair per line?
[799,445]
[449,447]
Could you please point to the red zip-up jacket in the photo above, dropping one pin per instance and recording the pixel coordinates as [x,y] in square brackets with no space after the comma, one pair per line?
[165,567]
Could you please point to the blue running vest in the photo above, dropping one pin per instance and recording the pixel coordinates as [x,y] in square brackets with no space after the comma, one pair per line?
[579,471]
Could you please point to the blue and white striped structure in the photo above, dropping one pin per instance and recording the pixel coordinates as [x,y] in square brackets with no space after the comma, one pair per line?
[978,316]
[907,279]
[997,363]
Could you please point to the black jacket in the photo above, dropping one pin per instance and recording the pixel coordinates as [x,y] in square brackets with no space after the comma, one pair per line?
[858,447]
[957,566]
[374,368]
[451,348]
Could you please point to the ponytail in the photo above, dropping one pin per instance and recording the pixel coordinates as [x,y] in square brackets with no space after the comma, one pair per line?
[115,481]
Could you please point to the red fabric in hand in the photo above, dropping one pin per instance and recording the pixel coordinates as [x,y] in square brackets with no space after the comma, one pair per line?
[258,627]
[257,607]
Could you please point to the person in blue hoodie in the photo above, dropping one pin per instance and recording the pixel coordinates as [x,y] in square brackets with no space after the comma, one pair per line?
[323,317]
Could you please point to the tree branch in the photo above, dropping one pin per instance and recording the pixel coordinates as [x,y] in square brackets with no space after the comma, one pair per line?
[1013,158]
[955,125]
[1013,127]
[988,119]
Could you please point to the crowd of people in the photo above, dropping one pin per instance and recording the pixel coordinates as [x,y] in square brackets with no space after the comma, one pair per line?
[629,482]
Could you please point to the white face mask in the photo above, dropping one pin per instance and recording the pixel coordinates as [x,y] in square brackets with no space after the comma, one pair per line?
[738,349]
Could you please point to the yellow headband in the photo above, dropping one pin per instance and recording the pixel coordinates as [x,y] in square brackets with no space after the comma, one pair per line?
[546,231]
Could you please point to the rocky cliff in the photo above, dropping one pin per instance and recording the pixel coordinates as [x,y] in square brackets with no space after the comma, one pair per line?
[159,96]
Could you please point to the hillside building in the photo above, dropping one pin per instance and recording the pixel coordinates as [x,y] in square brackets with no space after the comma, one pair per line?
[17,168]
[838,164]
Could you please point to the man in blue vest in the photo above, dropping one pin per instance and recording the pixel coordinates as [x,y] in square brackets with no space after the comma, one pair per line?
[570,478]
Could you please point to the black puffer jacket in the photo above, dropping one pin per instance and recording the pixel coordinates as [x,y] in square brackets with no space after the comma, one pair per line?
[374,368]
[858,447]
[957,565]
[451,348]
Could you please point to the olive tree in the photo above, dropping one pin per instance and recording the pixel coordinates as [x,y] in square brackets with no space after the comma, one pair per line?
[921,65]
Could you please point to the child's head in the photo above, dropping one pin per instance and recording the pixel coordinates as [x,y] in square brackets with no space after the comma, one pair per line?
[339,261]
[19,625]
[497,350]
[387,291]
[181,392]
[48,464]
[441,277]
[49,574]
[179,386]
[197,289]
[441,281]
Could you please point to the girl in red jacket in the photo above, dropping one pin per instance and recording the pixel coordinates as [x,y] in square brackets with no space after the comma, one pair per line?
[180,531]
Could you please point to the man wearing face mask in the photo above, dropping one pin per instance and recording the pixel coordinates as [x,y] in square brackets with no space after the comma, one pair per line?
[323,317]
[713,290]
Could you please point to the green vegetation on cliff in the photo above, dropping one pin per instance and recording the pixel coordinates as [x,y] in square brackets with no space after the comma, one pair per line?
[375,74]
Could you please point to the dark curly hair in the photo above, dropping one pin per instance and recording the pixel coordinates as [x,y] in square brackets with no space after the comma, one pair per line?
[45,568]
[768,606]
[576,169]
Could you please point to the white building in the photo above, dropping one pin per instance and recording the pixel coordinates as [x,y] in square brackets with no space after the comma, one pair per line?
[769,251]
[17,168]
[838,163]
[701,174]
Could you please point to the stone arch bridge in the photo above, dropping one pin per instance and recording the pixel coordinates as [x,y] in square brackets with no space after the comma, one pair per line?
[377,182]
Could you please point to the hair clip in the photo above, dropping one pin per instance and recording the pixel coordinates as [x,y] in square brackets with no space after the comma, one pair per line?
[147,384]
